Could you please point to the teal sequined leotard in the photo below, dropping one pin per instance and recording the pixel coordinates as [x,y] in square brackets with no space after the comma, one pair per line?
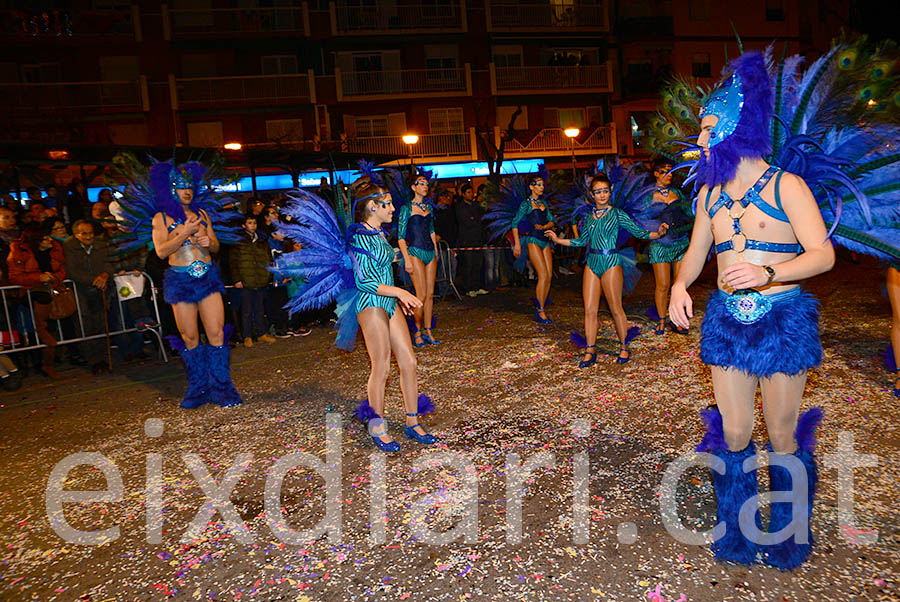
[527,217]
[672,246]
[416,229]
[374,268]
[599,236]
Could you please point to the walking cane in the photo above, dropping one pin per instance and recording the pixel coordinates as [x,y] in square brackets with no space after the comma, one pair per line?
[106,328]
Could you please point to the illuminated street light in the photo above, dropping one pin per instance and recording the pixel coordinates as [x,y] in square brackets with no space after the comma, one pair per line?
[571,132]
[410,139]
[235,146]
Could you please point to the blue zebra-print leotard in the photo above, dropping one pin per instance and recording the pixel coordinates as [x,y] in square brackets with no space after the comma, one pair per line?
[374,268]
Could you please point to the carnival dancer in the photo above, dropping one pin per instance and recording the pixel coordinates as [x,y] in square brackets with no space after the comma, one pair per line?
[418,244]
[351,263]
[830,176]
[520,208]
[177,207]
[666,205]
[599,232]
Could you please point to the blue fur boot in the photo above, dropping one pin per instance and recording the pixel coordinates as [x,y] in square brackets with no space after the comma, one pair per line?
[732,489]
[221,388]
[196,366]
[789,554]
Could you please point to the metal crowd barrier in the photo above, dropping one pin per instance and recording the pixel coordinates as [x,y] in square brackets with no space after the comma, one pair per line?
[11,346]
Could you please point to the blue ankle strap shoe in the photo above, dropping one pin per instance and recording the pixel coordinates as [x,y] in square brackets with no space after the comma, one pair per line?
[426,439]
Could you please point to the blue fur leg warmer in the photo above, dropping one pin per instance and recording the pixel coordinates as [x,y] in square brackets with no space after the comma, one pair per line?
[196,366]
[733,489]
[791,553]
[221,388]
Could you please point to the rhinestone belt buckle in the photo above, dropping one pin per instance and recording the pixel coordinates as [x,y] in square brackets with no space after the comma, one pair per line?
[198,268]
[747,306]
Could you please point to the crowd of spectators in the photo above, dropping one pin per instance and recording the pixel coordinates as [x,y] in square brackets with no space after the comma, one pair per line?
[57,236]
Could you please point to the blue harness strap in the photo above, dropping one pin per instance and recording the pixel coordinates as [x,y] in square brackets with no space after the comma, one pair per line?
[752,197]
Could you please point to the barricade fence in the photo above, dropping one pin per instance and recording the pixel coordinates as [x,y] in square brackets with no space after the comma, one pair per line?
[15,298]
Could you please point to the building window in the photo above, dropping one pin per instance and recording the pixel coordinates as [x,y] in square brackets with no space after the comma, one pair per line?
[563,118]
[700,66]
[41,72]
[507,56]
[367,127]
[445,121]
[563,13]
[504,114]
[698,10]
[284,130]
[279,64]
[774,10]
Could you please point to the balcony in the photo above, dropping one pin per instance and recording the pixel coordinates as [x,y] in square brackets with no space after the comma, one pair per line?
[551,80]
[403,83]
[186,23]
[553,15]
[243,90]
[61,25]
[387,18]
[553,141]
[103,96]
[433,146]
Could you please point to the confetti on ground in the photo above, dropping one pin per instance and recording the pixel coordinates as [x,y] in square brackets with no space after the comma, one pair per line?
[503,385]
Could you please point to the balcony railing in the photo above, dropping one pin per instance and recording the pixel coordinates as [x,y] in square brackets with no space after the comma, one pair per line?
[225,22]
[246,89]
[550,141]
[404,82]
[538,80]
[61,24]
[429,145]
[510,15]
[389,18]
[126,95]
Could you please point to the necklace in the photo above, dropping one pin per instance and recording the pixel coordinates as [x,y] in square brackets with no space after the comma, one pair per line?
[537,202]
[663,190]
[422,206]
[598,213]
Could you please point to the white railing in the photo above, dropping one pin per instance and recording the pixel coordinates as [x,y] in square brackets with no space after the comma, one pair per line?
[187,22]
[586,77]
[246,88]
[405,81]
[554,140]
[388,17]
[17,309]
[72,95]
[508,14]
[429,145]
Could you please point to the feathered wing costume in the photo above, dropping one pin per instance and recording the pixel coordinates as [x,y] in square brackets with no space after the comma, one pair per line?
[507,209]
[835,125]
[148,192]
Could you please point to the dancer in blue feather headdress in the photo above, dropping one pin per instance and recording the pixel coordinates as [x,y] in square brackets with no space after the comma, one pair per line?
[521,209]
[666,204]
[598,224]
[177,207]
[759,328]
[352,263]
[418,244]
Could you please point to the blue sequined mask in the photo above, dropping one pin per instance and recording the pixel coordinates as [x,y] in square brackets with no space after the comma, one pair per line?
[726,104]
[181,178]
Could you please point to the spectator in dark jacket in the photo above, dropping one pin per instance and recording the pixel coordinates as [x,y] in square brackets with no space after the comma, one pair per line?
[88,265]
[249,273]
[470,234]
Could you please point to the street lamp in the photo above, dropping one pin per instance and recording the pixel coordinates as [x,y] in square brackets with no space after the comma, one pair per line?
[409,140]
[235,146]
[570,133]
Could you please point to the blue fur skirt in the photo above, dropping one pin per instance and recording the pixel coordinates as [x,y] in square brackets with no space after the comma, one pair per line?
[181,287]
[785,340]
